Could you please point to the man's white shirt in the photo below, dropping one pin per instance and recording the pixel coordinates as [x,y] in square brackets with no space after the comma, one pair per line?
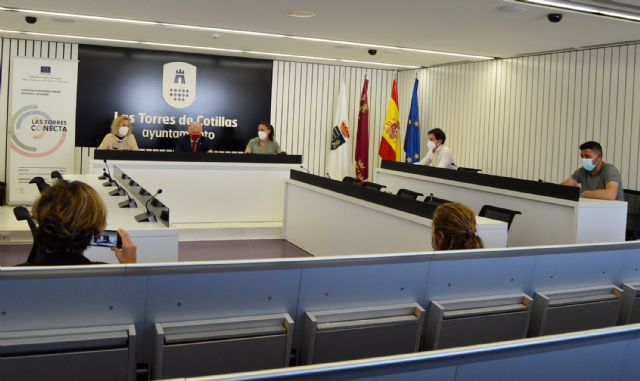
[441,158]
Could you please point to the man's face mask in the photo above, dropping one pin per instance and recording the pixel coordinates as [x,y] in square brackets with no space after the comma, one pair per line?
[195,136]
[588,164]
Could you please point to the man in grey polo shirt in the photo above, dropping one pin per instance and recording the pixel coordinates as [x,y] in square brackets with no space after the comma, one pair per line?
[596,178]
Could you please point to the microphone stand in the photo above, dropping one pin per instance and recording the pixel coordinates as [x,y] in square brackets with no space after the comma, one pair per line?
[111,182]
[148,216]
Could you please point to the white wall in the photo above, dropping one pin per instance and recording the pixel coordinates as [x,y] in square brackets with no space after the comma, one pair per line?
[525,117]
[23,48]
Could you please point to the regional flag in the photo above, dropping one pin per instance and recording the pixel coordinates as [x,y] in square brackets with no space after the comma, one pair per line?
[362,136]
[390,142]
[339,160]
[412,139]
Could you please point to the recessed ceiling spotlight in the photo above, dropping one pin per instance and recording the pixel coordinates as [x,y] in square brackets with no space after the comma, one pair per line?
[215,36]
[512,8]
[301,14]
[63,20]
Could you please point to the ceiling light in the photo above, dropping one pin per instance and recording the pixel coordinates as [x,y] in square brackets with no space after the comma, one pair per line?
[582,8]
[191,47]
[220,30]
[243,32]
[63,20]
[381,64]
[301,14]
[194,47]
[290,55]
[77,16]
[390,47]
[512,8]
[69,36]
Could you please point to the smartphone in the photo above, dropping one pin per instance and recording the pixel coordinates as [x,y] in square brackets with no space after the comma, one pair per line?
[108,238]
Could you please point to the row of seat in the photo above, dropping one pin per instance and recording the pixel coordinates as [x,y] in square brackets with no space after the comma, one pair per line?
[255,342]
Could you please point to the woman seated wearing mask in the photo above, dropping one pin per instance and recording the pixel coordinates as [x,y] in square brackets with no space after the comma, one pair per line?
[121,136]
[69,214]
[454,228]
[264,143]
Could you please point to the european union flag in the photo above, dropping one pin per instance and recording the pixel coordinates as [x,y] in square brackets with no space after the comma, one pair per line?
[412,138]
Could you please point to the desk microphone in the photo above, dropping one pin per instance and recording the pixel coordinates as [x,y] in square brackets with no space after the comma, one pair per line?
[109,183]
[130,203]
[119,191]
[305,169]
[56,175]
[104,175]
[148,216]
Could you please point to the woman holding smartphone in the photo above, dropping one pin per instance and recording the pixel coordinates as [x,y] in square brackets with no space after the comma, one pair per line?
[69,215]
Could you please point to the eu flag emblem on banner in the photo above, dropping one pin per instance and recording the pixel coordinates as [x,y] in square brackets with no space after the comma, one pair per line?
[412,138]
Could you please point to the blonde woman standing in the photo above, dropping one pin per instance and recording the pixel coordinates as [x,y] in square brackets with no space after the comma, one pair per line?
[121,136]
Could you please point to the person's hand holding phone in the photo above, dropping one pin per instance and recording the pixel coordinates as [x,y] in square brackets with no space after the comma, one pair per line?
[126,253]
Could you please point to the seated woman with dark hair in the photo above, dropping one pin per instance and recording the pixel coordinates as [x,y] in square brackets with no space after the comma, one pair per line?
[454,228]
[265,142]
[69,214]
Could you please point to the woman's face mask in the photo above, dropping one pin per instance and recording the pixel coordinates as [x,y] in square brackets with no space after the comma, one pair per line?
[263,135]
[123,131]
[431,145]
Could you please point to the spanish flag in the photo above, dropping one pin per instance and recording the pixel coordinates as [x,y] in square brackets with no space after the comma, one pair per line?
[390,142]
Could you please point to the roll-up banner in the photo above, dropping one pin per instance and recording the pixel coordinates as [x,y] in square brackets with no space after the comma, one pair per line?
[42,112]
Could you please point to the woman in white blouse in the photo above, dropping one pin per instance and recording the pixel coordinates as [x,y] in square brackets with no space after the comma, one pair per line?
[121,136]
[438,155]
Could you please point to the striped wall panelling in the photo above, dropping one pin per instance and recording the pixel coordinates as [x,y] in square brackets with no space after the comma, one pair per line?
[525,117]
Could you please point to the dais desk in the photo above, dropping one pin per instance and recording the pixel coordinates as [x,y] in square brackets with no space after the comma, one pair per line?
[327,217]
[551,214]
[209,188]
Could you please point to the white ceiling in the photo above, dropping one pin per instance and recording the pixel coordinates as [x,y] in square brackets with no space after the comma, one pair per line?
[462,26]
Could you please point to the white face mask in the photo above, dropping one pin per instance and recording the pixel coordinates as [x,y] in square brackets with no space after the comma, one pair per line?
[263,135]
[431,145]
[123,131]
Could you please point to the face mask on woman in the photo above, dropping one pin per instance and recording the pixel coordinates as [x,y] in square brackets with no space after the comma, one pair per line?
[263,135]
[431,145]
[123,131]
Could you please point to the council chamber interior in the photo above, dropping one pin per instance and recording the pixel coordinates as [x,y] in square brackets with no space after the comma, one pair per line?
[251,190]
